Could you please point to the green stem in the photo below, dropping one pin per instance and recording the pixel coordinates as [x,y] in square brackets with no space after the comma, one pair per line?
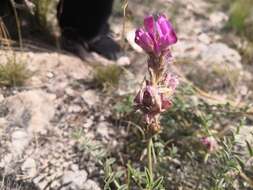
[128,177]
[150,160]
[116,183]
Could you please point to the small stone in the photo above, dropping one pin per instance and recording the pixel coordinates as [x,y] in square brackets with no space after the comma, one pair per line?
[91,185]
[1,97]
[90,97]
[74,179]
[50,75]
[74,109]
[218,19]
[3,125]
[18,135]
[89,122]
[6,161]
[102,129]
[20,140]
[204,38]
[29,167]
[123,61]
[69,91]
[243,90]
[74,167]
[55,184]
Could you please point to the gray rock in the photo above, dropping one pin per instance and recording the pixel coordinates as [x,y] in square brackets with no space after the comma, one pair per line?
[19,140]
[219,53]
[32,110]
[74,180]
[28,113]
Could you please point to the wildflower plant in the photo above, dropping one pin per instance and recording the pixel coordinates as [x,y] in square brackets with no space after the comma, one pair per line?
[154,96]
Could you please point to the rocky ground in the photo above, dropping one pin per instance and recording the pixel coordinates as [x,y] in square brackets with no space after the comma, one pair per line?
[49,127]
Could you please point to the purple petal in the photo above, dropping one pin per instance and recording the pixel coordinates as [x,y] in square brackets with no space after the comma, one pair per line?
[156,36]
[149,24]
[171,37]
[138,34]
[165,31]
[164,25]
[166,40]
[148,42]
[143,39]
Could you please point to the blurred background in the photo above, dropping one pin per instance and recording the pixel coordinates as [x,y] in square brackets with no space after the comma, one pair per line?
[69,123]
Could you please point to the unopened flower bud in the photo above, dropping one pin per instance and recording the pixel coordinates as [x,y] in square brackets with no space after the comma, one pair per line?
[154,128]
[171,81]
[148,99]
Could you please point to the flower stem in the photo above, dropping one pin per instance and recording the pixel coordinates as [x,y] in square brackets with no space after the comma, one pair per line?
[150,160]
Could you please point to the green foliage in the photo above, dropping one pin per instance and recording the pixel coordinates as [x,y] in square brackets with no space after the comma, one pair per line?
[249,146]
[247,52]
[124,106]
[143,179]
[46,15]
[181,160]
[240,22]
[239,11]
[107,76]
[90,147]
[241,17]
[117,7]
[13,73]
[112,177]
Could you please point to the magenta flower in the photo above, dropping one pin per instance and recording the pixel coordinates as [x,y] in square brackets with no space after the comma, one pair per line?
[210,143]
[156,36]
